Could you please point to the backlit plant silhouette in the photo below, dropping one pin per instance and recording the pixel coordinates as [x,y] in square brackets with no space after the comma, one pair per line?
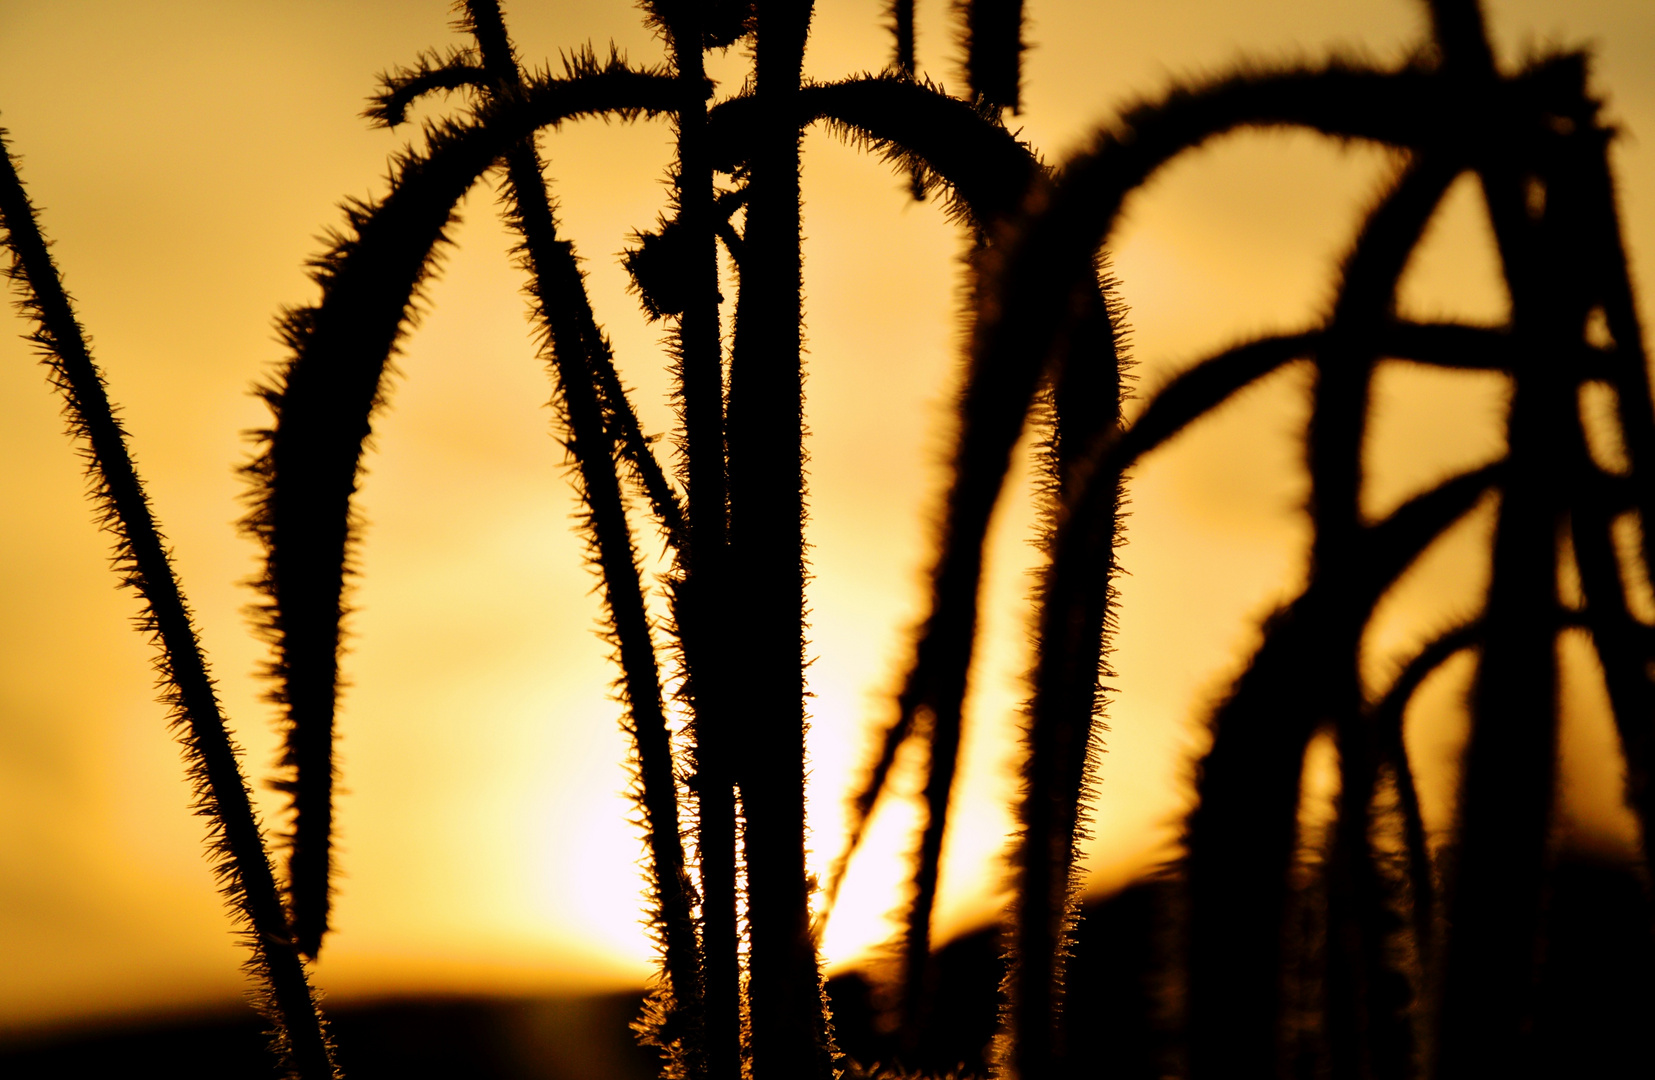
[1411,978]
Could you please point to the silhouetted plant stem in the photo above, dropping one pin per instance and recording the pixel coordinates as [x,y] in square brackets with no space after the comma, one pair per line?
[789,1036]
[400,88]
[916,961]
[1508,781]
[1461,38]
[1367,1026]
[633,446]
[704,583]
[902,30]
[986,169]
[902,58]
[1061,734]
[236,844]
[576,353]
[1509,777]
[1386,718]
[994,51]
[1606,259]
[1580,188]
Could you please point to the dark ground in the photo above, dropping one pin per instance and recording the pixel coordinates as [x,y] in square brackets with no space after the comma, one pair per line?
[572,1038]
[1597,1016]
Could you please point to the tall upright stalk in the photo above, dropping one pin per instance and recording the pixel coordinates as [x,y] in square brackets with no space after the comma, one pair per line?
[699,612]
[577,351]
[1364,1024]
[236,843]
[1509,778]
[789,1029]
[994,51]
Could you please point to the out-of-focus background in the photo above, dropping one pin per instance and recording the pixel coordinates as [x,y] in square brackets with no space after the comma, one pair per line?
[186,156]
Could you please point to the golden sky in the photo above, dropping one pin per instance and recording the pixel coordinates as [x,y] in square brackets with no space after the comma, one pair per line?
[187,154]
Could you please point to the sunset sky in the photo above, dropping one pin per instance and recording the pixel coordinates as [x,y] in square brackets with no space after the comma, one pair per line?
[186,156]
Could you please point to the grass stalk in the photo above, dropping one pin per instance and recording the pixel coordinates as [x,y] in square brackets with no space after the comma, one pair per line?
[1631,681]
[1509,776]
[994,51]
[1063,730]
[1366,1020]
[576,352]
[1385,717]
[235,842]
[789,1033]
[703,565]
[1240,837]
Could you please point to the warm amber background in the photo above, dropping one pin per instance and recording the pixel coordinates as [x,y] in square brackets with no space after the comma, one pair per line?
[187,155]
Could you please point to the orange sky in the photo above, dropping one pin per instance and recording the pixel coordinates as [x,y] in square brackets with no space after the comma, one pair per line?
[186,155]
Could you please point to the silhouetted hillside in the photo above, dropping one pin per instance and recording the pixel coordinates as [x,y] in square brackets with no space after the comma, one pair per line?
[1597,994]
[1598,1012]
[479,1038]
